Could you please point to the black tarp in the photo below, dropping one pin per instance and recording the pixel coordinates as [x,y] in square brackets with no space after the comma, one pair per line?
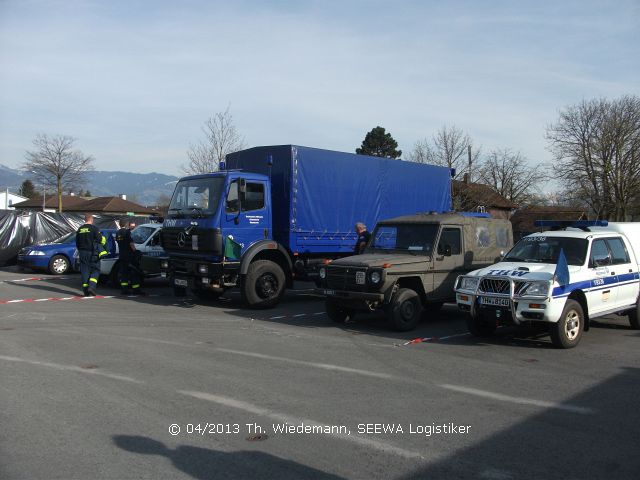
[20,229]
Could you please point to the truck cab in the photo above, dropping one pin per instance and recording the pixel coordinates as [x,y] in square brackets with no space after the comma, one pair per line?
[562,277]
[411,264]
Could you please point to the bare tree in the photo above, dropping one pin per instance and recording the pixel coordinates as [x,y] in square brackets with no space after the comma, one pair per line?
[449,147]
[221,138]
[509,174]
[56,164]
[596,147]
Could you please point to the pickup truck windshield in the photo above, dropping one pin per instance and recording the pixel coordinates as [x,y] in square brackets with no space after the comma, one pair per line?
[539,249]
[413,238]
[196,198]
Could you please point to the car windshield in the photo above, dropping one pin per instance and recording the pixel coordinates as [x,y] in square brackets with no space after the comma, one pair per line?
[68,238]
[542,249]
[196,197]
[141,234]
[414,238]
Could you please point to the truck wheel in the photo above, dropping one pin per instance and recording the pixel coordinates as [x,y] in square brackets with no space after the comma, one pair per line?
[480,326]
[263,286]
[634,316]
[405,310]
[59,265]
[566,332]
[337,312]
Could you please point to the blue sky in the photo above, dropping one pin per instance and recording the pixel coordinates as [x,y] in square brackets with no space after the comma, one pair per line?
[134,81]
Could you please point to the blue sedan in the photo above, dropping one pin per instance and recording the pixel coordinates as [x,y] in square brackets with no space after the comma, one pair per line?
[60,256]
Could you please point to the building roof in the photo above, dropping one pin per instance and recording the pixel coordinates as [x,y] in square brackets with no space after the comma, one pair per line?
[110,205]
[478,194]
[523,219]
[51,201]
[71,203]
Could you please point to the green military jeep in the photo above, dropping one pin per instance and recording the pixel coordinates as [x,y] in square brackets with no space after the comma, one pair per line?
[411,264]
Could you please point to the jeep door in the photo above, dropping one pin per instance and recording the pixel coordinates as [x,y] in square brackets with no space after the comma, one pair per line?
[448,262]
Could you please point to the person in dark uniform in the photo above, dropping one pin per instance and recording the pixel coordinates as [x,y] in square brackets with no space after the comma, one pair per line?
[90,244]
[129,271]
[363,238]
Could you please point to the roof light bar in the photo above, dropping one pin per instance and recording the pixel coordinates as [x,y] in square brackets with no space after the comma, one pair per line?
[561,224]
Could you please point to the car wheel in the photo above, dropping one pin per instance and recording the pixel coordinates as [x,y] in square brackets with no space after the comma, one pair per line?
[406,310]
[480,326]
[263,285]
[337,312]
[566,332]
[59,265]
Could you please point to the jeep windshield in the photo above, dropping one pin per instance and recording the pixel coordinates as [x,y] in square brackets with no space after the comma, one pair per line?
[416,239]
[542,249]
[197,197]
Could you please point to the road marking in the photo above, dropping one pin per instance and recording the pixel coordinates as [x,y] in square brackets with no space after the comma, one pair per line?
[70,368]
[77,297]
[519,400]
[323,366]
[36,279]
[291,420]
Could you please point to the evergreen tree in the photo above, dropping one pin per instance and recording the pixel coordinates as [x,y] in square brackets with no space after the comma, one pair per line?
[379,144]
[27,189]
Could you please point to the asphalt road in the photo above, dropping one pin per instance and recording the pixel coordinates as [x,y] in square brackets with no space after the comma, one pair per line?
[157,387]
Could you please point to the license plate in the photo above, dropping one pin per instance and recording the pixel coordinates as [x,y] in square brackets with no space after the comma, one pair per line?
[180,283]
[329,292]
[360,278]
[499,302]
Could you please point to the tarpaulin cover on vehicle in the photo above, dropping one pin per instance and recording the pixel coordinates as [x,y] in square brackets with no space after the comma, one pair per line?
[20,229]
[318,195]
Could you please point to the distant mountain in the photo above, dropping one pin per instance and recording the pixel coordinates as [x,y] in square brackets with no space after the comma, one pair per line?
[142,188]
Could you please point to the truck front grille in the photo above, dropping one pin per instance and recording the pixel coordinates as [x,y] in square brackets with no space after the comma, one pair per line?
[492,285]
[198,240]
[344,278]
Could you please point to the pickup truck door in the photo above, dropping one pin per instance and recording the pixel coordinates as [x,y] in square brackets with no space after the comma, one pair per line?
[448,262]
[603,291]
[625,271]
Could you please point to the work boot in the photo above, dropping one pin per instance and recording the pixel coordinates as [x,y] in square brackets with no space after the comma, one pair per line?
[90,293]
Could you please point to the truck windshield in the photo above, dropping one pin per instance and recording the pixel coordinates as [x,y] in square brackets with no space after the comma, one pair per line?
[197,197]
[415,238]
[542,249]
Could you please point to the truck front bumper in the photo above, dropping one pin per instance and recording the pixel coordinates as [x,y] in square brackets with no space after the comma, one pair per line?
[198,274]
[516,309]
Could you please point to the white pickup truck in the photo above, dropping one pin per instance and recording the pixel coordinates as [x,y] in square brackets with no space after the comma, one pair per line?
[596,274]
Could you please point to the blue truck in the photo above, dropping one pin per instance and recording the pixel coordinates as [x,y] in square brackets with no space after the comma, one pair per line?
[275,214]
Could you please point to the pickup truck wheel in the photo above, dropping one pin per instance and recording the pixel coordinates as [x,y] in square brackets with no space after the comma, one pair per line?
[263,286]
[337,312]
[634,316]
[405,310]
[480,326]
[566,332]
[59,265]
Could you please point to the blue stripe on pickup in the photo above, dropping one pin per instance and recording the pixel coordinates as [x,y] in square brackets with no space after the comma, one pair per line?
[591,285]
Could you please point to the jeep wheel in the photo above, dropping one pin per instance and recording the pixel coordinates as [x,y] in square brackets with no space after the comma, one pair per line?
[566,332]
[337,312]
[263,285]
[480,326]
[405,310]
[634,316]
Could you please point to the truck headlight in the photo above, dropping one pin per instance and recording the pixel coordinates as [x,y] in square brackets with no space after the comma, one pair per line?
[36,252]
[536,288]
[322,272]
[375,276]
[204,269]
[469,283]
